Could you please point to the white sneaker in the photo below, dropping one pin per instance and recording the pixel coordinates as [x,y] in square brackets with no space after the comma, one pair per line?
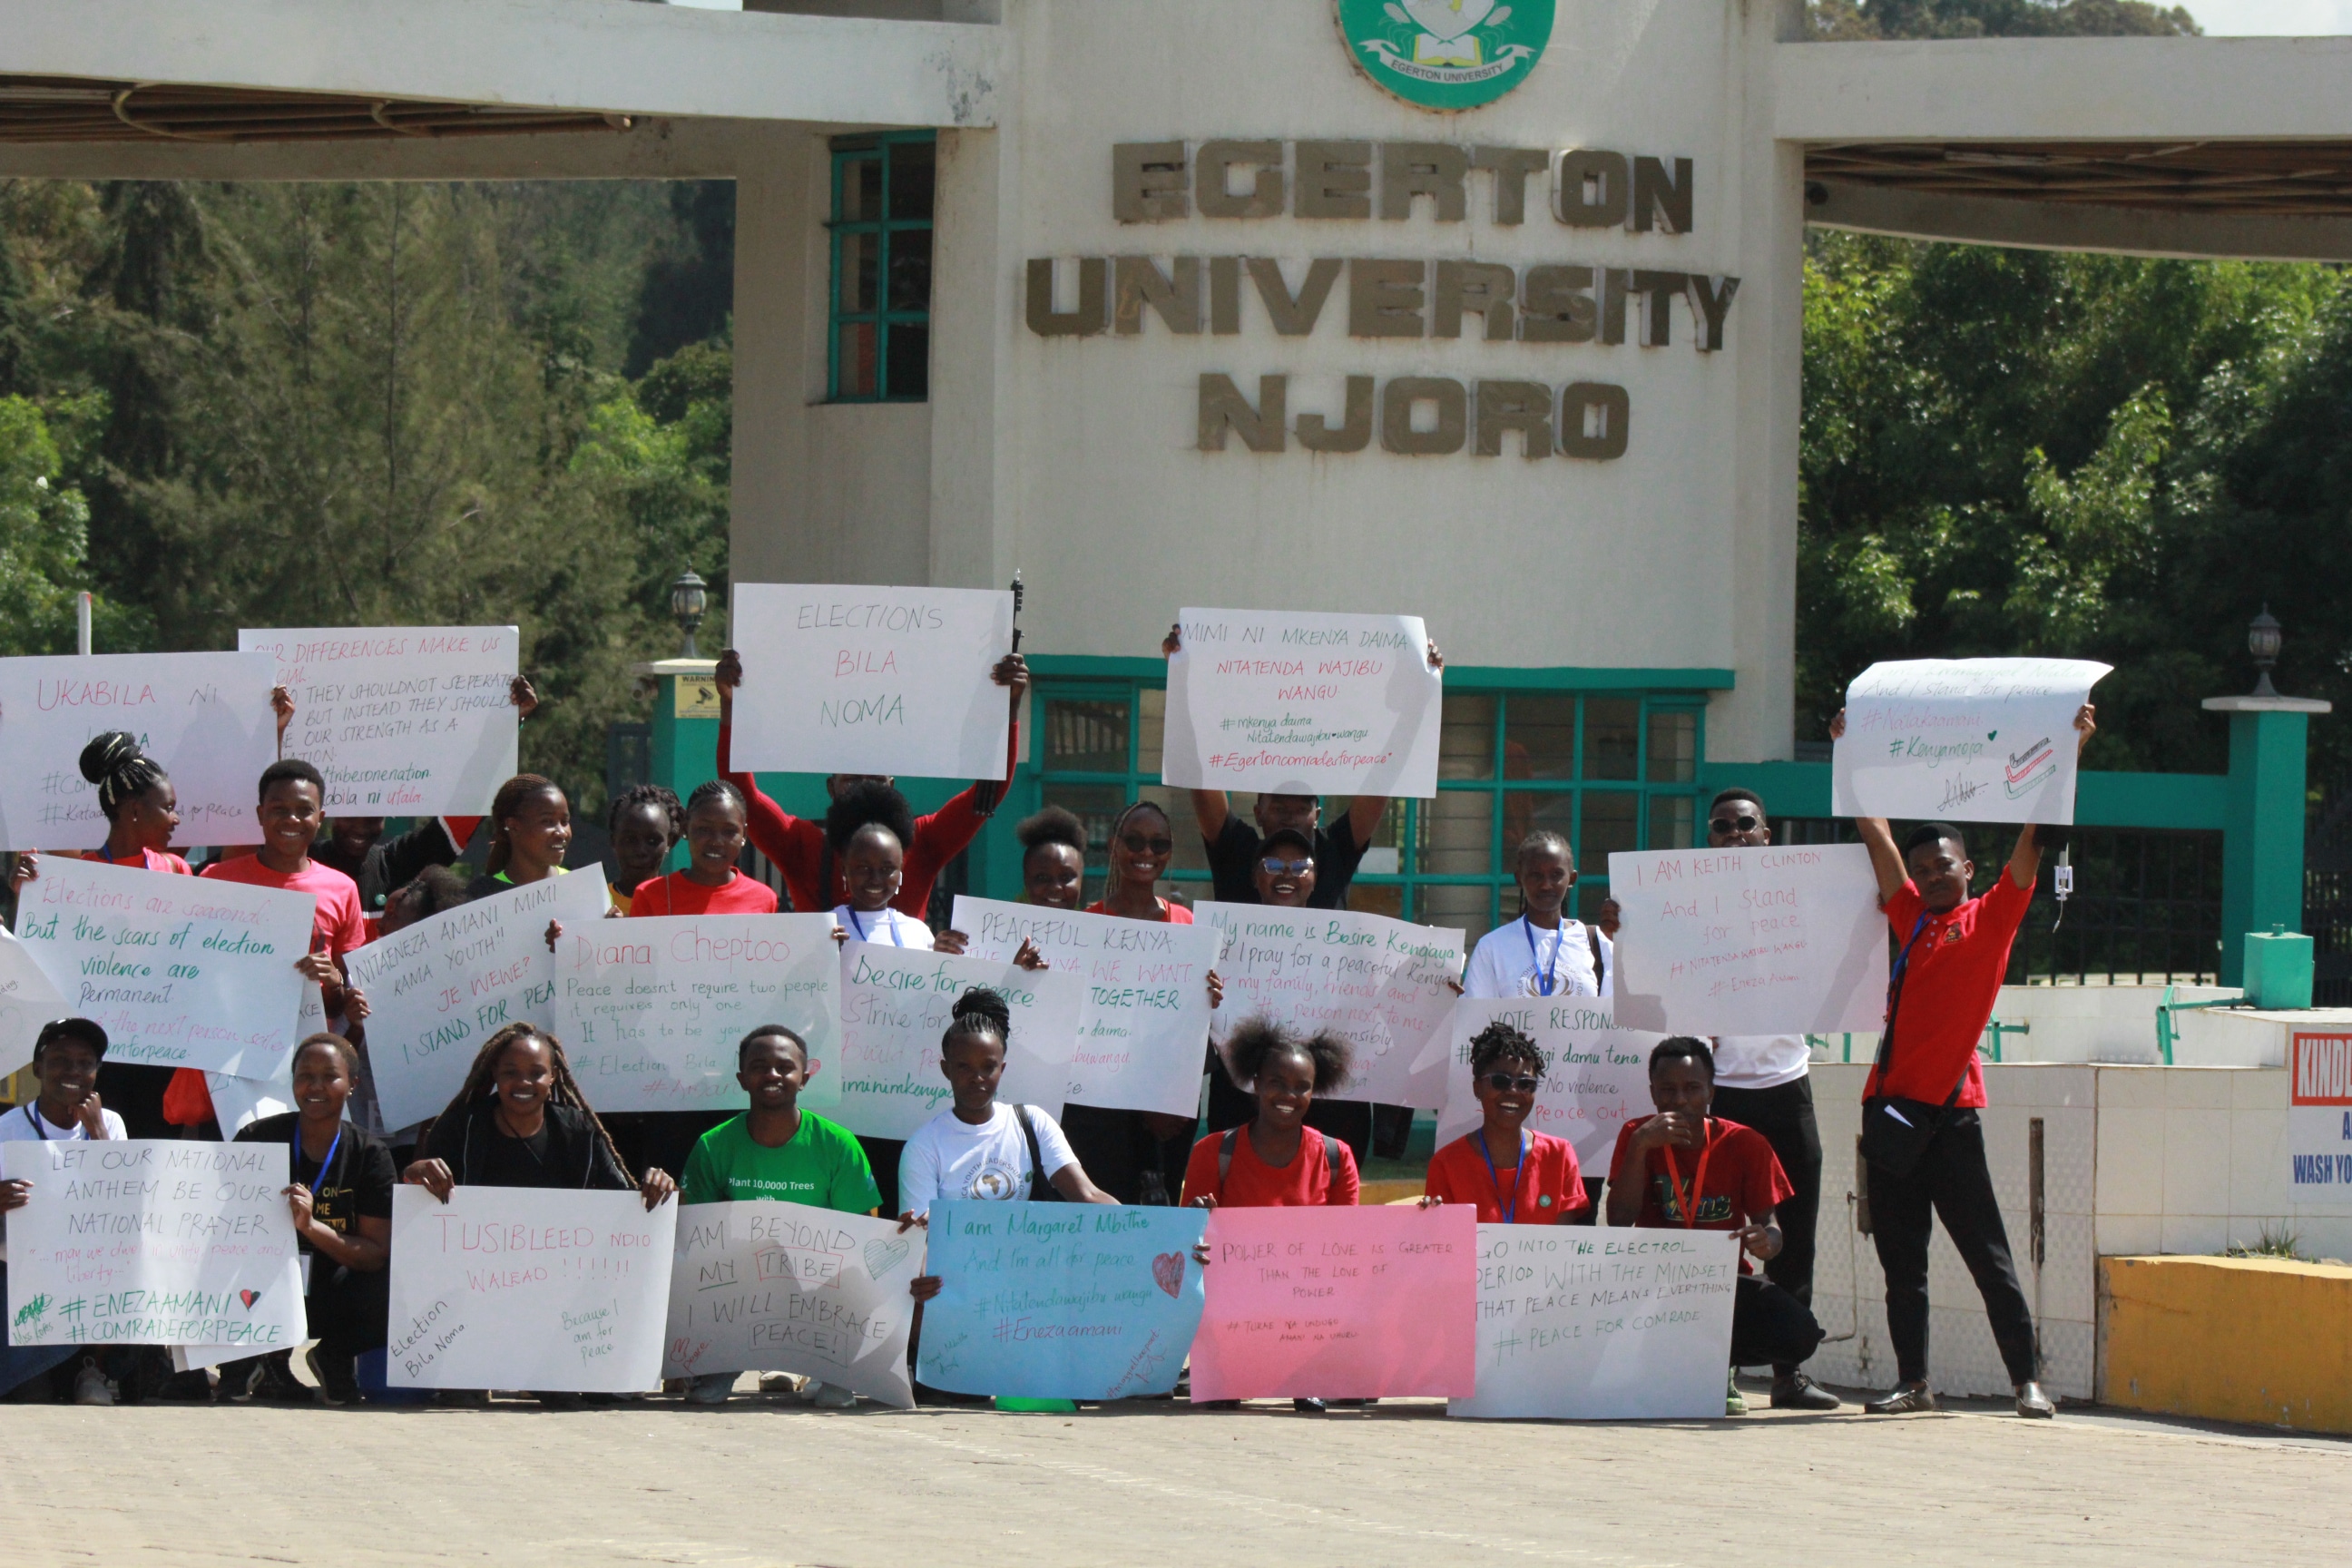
[833,1396]
[92,1386]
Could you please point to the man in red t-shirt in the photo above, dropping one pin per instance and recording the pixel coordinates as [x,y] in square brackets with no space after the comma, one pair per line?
[1952,951]
[1683,1167]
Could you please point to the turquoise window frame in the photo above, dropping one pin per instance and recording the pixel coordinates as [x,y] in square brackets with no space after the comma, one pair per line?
[848,152]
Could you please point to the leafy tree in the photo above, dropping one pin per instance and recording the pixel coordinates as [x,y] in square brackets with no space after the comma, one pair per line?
[1997,18]
[44,538]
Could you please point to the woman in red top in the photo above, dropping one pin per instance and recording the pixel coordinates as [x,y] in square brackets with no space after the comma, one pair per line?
[710,885]
[1684,1167]
[1514,1176]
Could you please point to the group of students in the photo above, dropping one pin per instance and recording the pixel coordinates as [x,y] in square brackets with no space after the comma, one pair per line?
[1737,1112]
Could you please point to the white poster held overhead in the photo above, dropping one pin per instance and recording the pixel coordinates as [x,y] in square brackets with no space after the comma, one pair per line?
[402,721]
[1598,1079]
[205,717]
[872,680]
[1962,740]
[1770,940]
[153,1242]
[1145,1016]
[528,1288]
[1297,702]
[29,999]
[776,1287]
[439,988]
[650,1011]
[1597,1324]
[1382,984]
[895,1006]
[181,972]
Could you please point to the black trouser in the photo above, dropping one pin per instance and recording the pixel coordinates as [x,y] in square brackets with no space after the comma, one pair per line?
[882,1154]
[1784,1115]
[1122,1156]
[1953,1181]
[1768,1323]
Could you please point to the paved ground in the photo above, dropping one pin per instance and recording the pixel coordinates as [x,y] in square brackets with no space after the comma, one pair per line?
[766,1482]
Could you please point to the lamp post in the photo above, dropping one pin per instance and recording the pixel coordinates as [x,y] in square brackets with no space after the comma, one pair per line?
[689,598]
[2263,641]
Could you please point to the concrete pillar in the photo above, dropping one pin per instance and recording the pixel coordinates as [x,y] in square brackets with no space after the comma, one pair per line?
[2262,848]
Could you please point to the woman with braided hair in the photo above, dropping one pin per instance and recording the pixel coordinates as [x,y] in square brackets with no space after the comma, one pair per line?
[1511,1175]
[520,1120]
[644,822]
[530,828]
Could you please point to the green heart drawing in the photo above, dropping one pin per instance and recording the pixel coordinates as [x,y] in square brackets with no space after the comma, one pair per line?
[1990,733]
[881,1257]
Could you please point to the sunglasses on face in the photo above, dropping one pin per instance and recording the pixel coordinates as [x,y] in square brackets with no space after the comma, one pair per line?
[1503,1083]
[1733,824]
[1137,844]
[1275,868]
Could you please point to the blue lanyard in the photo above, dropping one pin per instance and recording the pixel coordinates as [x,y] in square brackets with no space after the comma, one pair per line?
[324,1165]
[858,926]
[32,1115]
[1549,981]
[1510,1212]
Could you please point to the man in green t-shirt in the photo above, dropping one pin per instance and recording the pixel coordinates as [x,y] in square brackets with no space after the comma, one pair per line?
[778,1152]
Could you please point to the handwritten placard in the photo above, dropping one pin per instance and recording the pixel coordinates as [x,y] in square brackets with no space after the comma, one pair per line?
[1966,740]
[1601,1324]
[896,1004]
[183,972]
[1380,984]
[776,1287]
[401,720]
[1598,1079]
[1772,941]
[1061,1300]
[528,1288]
[204,716]
[153,1242]
[29,999]
[439,988]
[1300,702]
[1346,1303]
[1145,1014]
[651,1010]
[871,679]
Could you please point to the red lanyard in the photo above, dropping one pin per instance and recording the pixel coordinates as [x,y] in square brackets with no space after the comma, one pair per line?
[1689,1201]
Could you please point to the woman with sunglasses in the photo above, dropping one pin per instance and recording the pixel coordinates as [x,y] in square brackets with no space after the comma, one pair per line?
[1511,1175]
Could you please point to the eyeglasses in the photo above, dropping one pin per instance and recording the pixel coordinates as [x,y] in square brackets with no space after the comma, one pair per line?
[1277,868]
[1734,823]
[1503,1083]
[1137,844]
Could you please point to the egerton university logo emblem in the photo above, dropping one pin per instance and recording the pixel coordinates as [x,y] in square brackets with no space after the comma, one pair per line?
[1446,54]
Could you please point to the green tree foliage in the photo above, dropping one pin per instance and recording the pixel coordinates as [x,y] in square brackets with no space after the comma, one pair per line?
[1840,19]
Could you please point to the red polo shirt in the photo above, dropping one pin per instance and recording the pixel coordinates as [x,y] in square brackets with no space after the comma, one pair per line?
[1948,994]
[1548,1191]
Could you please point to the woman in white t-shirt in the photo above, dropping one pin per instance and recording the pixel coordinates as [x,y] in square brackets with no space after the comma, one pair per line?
[66,1057]
[1541,953]
[873,865]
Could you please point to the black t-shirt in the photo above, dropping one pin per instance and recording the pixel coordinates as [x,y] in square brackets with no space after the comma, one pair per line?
[564,1152]
[1233,856]
[357,1182]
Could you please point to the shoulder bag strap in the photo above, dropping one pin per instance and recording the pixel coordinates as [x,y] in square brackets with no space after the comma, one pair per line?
[1894,1000]
[1037,1160]
[1330,1164]
[1600,965]
[1225,1158]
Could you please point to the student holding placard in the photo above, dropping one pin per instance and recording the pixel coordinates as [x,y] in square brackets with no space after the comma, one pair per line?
[67,1056]
[804,852]
[777,1150]
[710,885]
[341,1201]
[1733,1184]
[873,857]
[645,823]
[1541,953]
[1921,1138]
[1511,1175]
[292,810]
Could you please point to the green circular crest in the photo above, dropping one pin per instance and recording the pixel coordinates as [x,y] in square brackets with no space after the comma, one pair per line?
[1446,54]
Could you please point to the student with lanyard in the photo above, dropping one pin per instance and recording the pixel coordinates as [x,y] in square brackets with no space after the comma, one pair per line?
[520,1121]
[341,1197]
[805,853]
[1276,1160]
[66,1054]
[644,822]
[710,885]
[1735,1185]
[778,1152]
[1922,1140]
[1541,953]
[1512,1176]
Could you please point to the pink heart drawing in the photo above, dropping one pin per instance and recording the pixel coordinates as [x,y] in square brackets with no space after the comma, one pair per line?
[1168,1269]
[248,1298]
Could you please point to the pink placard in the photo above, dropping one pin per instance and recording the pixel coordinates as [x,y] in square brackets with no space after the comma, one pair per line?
[1339,1303]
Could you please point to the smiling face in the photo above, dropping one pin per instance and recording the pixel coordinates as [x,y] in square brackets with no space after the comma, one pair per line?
[714,838]
[641,842]
[1285,1088]
[321,1083]
[1941,869]
[773,1073]
[525,1078]
[290,814]
[67,1072]
[1507,1109]
[1055,876]
[538,833]
[152,817]
[873,865]
[1737,822]
[1142,848]
[355,836]
[1284,875]
[973,1065]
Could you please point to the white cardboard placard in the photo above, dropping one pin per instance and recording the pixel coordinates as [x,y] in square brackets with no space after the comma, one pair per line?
[895,1006]
[1599,1076]
[1962,740]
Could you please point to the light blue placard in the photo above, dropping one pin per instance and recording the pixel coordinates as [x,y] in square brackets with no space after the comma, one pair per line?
[1061,1300]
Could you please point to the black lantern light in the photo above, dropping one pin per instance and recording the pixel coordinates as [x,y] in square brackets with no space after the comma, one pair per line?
[2263,641]
[689,597]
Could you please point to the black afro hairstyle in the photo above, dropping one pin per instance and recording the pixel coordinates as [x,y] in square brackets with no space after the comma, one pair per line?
[869,802]
[1737,792]
[978,1013]
[291,770]
[1254,1041]
[1055,825]
[1499,1042]
[1684,1048]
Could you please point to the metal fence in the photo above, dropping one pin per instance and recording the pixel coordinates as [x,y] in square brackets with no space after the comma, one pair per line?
[2327,895]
